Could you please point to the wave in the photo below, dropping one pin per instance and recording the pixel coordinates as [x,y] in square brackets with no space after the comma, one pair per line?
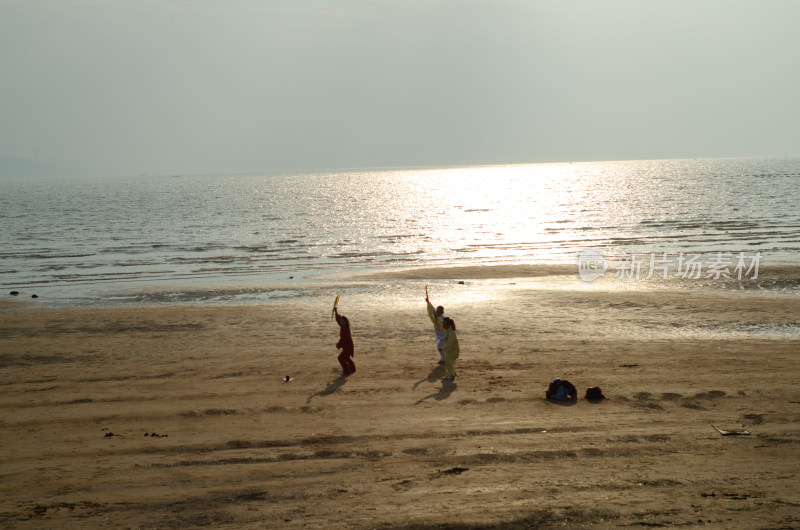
[219,229]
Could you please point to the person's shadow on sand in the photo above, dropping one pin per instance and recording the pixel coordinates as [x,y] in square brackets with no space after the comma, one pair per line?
[332,387]
[436,374]
[447,388]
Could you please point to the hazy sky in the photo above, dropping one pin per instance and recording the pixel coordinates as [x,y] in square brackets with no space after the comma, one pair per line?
[214,86]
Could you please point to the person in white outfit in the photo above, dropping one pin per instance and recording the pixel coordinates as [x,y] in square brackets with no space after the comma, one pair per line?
[441,334]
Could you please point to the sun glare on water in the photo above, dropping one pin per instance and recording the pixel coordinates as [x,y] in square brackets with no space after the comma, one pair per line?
[498,212]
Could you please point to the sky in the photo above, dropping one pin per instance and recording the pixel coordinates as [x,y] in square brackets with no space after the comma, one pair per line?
[204,86]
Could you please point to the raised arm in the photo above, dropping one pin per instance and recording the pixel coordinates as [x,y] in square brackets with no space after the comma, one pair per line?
[432,316]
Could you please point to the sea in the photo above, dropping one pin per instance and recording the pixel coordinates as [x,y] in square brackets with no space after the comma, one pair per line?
[273,236]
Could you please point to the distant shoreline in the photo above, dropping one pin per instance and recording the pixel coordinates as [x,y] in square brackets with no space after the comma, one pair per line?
[398,285]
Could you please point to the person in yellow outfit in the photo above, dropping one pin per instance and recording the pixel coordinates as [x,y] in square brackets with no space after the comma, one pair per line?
[448,327]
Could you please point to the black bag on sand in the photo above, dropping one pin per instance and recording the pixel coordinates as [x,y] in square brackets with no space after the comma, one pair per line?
[594,394]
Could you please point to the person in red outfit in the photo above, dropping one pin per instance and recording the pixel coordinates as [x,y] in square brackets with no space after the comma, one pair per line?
[345,344]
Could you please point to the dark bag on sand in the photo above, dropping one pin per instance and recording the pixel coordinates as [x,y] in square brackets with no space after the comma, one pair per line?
[594,394]
[561,389]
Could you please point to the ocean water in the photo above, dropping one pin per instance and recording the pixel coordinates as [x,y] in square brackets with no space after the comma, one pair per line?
[84,241]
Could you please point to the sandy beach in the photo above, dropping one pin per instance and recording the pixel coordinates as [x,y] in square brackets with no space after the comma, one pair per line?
[180,416]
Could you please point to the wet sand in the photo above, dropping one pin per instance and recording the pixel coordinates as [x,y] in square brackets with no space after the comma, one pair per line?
[392,446]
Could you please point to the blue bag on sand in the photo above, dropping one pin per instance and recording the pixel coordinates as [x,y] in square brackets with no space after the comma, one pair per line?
[561,390]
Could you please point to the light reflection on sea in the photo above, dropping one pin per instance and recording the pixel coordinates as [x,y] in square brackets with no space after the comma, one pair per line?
[256,238]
